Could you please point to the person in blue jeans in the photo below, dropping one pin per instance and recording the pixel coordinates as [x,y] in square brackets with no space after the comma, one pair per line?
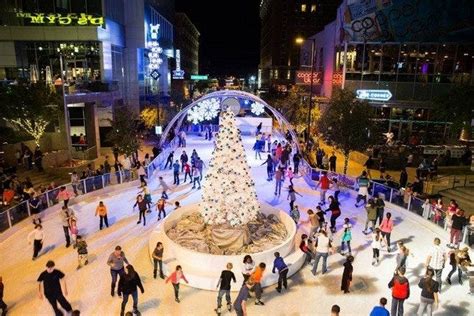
[400,291]
[323,248]
[280,265]
[116,262]
[128,286]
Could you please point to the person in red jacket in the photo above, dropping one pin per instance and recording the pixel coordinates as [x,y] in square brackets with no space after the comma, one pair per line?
[400,291]
[324,182]
[174,278]
[386,228]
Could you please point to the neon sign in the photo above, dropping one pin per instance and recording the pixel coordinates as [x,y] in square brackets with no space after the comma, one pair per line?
[81,19]
[178,73]
[375,95]
[155,60]
[303,77]
[337,78]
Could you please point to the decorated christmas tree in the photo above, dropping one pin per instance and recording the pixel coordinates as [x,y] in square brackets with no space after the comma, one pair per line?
[229,196]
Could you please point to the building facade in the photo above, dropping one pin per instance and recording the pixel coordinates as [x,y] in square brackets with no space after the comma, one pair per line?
[187,41]
[399,62]
[282,21]
[101,49]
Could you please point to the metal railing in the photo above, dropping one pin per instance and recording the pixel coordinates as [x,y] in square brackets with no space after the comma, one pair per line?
[395,196]
[22,210]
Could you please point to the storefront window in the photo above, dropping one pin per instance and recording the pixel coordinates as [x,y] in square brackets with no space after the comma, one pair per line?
[78,6]
[426,62]
[372,62]
[464,64]
[354,61]
[46,6]
[62,6]
[389,61]
[408,62]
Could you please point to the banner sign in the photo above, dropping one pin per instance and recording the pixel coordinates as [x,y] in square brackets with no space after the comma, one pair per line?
[75,19]
[155,50]
[199,77]
[178,73]
[303,77]
[375,95]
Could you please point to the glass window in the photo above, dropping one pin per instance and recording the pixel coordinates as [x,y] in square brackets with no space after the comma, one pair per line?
[372,60]
[30,5]
[389,61]
[408,61]
[94,7]
[62,6]
[303,8]
[354,61]
[426,62]
[313,8]
[463,66]
[78,6]
[46,6]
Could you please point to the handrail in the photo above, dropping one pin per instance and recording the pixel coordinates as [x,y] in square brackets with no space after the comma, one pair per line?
[21,211]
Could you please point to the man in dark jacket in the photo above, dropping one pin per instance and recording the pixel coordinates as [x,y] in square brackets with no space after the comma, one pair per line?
[280,265]
[400,291]
[458,223]
[128,286]
[403,178]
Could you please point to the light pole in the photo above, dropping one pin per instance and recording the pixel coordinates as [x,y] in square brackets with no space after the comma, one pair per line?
[66,110]
[300,41]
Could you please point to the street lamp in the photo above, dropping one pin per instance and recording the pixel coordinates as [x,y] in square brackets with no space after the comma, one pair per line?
[300,41]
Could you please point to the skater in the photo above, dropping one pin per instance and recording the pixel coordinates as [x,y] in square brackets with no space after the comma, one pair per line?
[146,195]
[400,291]
[183,159]
[278,180]
[101,210]
[323,248]
[429,293]
[335,212]
[380,310]
[66,215]
[3,306]
[347,275]
[324,182]
[292,196]
[187,173]
[175,277]
[304,247]
[295,214]
[53,284]
[296,161]
[37,236]
[280,265]
[160,208]
[128,286]
[460,260]
[35,207]
[313,220]
[436,260]
[346,237]
[141,172]
[386,228]
[74,231]
[176,173]
[248,266]
[402,255]
[458,221]
[257,277]
[169,160]
[336,188]
[376,245]
[82,257]
[158,259]
[142,207]
[290,175]
[224,286]
[116,262]
[380,205]
[371,209]
[270,167]
[363,183]
[196,178]
[164,186]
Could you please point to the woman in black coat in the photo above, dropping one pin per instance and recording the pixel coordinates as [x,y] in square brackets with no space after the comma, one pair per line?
[128,286]
[347,274]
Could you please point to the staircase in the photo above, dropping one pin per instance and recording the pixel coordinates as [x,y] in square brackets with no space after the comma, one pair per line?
[464,196]
[42,178]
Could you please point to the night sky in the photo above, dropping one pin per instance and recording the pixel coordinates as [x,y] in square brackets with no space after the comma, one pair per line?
[230,35]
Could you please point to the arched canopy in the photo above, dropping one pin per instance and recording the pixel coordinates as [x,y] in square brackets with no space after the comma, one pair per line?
[221,95]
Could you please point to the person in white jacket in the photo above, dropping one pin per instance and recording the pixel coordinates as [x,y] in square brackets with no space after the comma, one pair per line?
[37,237]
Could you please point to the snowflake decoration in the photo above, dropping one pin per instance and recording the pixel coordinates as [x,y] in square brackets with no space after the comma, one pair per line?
[257,108]
[194,115]
[205,110]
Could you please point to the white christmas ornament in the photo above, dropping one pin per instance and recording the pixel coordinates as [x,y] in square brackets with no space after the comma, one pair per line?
[229,194]
[257,108]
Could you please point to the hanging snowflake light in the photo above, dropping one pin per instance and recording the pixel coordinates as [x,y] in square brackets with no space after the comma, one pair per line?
[209,108]
[194,115]
[257,108]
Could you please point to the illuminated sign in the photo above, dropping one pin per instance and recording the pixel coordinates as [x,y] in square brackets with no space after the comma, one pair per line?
[199,77]
[155,50]
[303,77]
[178,73]
[374,95]
[81,19]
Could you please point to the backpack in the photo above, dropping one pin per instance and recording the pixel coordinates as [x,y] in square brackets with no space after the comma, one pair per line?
[400,290]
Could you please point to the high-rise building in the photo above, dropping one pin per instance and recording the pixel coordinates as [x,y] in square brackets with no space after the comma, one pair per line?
[282,21]
[187,42]
[110,53]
